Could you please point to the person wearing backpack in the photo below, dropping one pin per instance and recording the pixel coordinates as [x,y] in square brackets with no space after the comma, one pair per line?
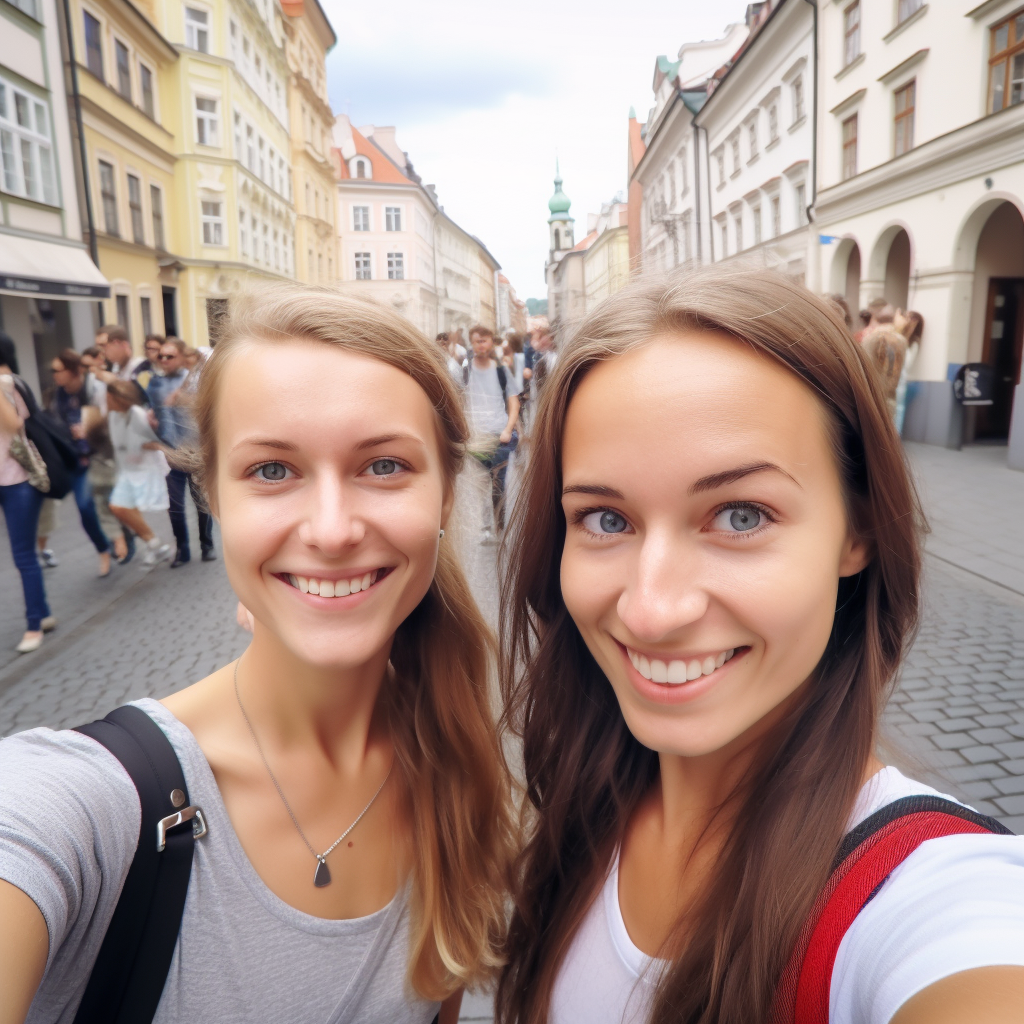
[714,576]
[20,501]
[492,408]
[319,830]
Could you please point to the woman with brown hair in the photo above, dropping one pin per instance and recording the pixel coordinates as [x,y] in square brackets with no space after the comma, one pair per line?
[721,579]
[353,864]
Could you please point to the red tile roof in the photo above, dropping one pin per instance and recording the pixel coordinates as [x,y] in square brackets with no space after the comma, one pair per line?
[384,168]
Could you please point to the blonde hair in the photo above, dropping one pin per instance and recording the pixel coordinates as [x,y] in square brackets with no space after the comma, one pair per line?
[450,764]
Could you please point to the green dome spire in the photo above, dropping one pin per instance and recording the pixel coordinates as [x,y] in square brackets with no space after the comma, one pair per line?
[559,202]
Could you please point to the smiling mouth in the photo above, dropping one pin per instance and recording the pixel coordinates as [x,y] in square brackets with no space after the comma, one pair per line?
[334,588]
[679,670]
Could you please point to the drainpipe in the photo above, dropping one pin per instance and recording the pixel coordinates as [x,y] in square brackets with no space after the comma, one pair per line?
[815,242]
[82,155]
[696,185]
[711,218]
[437,294]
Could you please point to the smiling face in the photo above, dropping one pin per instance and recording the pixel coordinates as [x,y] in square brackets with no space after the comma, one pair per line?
[705,536]
[330,495]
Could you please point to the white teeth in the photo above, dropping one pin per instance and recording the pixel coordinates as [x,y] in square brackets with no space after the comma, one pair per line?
[293,580]
[677,671]
[367,580]
[327,588]
[314,586]
[303,584]
[333,588]
[342,589]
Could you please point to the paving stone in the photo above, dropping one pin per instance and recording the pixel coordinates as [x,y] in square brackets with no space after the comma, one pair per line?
[1015,749]
[991,735]
[975,772]
[953,741]
[979,790]
[1011,804]
[956,724]
[992,720]
[1010,785]
[981,753]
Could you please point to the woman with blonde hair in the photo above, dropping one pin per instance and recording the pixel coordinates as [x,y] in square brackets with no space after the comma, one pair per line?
[721,580]
[342,779]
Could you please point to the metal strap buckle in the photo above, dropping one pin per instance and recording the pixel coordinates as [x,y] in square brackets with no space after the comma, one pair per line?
[193,814]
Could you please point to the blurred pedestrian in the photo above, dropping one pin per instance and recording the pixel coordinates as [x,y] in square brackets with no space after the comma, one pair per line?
[141,483]
[886,350]
[102,476]
[451,352]
[171,396]
[150,363]
[75,388]
[911,326]
[492,408]
[877,307]
[123,364]
[545,358]
[20,502]
[514,358]
[843,306]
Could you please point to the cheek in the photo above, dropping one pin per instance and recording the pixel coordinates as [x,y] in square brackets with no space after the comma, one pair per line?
[589,586]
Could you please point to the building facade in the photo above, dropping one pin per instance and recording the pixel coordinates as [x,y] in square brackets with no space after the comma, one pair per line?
[921,193]
[49,285]
[606,259]
[510,314]
[308,39]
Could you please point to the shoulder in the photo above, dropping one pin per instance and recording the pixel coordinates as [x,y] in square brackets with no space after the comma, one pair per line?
[69,817]
[956,903]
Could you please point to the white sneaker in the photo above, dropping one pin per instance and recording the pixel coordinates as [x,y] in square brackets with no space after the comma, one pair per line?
[30,643]
[157,552]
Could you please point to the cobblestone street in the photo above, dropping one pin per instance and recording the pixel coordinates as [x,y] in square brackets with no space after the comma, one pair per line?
[957,717]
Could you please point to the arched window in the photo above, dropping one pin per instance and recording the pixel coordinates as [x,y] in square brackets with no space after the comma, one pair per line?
[558,239]
[359,167]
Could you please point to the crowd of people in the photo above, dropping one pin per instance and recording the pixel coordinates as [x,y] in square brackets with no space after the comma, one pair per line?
[112,422]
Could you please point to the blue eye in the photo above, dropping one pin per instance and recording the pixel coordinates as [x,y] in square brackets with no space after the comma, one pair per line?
[384,467]
[271,472]
[605,522]
[742,519]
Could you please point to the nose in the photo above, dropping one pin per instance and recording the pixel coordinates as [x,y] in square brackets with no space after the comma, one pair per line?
[668,591]
[330,521]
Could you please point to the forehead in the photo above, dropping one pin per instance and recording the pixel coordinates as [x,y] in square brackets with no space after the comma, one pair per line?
[318,394]
[689,404]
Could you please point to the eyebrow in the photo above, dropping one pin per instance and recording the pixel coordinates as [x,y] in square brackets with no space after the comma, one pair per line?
[715,480]
[266,442]
[373,442]
[601,492]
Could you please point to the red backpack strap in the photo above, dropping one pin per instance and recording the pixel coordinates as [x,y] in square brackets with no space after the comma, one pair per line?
[867,856]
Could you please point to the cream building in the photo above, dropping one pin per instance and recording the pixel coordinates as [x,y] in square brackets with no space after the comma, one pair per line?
[48,283]
[921,192]
[396,243]
[606,259]
[309,37]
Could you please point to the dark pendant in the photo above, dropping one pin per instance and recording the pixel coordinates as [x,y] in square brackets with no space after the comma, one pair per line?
[323,873]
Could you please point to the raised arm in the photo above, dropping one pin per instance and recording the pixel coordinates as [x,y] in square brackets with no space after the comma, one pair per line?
[24,945]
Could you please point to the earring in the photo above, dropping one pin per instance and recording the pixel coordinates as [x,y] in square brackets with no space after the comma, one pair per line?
[440,535]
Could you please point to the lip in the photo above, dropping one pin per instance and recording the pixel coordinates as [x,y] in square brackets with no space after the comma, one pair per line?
[678,693]
[341,603]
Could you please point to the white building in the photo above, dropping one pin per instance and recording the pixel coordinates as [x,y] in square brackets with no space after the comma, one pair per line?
[47,278]
[921,186]
[756,126]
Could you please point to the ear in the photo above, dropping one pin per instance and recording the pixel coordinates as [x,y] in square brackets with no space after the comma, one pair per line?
[856,554]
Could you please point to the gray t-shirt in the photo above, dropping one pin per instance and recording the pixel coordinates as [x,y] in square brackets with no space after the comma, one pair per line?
[485,404]
[69,824]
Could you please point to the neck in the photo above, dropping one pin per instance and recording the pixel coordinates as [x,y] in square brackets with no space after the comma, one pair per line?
[291,702]
[482,362]
[74,386]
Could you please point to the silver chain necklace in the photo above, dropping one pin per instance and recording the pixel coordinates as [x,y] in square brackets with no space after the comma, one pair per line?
[322,875]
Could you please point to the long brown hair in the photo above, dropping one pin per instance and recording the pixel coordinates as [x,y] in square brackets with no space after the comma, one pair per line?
[585,773]
[455,785]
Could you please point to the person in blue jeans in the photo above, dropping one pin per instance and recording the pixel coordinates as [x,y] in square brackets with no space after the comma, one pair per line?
[171,395]
[20,502]
[74,388]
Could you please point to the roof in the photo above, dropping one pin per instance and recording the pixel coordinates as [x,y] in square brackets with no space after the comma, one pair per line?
[384,168]
[586,243]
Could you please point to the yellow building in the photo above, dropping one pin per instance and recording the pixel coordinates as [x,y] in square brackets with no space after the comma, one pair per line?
[129,120]
[308,38]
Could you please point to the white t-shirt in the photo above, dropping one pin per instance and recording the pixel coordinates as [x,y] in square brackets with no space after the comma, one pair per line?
[954,904]
[485,404]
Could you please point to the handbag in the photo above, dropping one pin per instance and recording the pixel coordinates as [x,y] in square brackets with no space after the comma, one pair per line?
[26,455]
[53,441]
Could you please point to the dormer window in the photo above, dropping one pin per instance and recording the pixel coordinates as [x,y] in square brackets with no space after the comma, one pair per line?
[359,167]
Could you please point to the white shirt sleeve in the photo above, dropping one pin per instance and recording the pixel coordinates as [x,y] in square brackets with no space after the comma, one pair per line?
[954,904]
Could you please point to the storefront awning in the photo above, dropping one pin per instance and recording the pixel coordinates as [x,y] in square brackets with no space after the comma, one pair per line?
[48,270]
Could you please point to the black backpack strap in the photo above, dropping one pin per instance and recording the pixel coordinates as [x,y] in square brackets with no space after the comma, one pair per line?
[503,381]
[465,373]
[128,977]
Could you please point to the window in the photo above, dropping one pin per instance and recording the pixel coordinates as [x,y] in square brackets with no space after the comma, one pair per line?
[25,149]
[213,223]
[800,193]
[905,100]
[738,229]
[725,240]
[773,123]
[776,217]
[752,138]
[755,216]
[686,236]
[109,197]
[243,238]
[207,122]
[360,168]
[396,266]
[851,33]
[798,98]
[281,176]
[277,251]
[393,218]
[121,301]
[906,8]
[263,159]
[266,244]
[1006,64]
[146,82]
[849,147]
[135,209]
[124,74]
[156,205]
[29,7]
[147,315]
[93,46]
[362,266]
[735,154]
[197,31]
[237,120]
[250,148]
[720,160]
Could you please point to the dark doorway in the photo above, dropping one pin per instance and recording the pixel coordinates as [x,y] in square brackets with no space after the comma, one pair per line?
[170,314]
[897,270]
[1004,335]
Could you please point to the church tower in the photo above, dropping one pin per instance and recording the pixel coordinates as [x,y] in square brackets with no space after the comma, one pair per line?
[560,223]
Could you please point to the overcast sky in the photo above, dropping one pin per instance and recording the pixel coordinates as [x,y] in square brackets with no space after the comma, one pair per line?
[485,95]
